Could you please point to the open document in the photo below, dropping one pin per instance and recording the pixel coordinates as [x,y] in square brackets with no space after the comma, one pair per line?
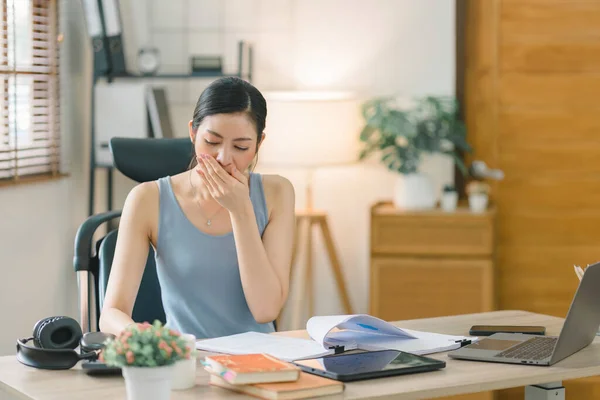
[333,334]
[365,332]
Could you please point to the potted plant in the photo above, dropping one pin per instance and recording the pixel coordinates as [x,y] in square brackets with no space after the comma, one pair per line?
[449,198]
[478,193]
[402,135]
[146,354]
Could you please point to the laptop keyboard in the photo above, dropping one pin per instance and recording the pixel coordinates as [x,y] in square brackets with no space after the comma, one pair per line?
[537,348]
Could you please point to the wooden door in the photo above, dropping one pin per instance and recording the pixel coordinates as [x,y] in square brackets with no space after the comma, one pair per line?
[532,83]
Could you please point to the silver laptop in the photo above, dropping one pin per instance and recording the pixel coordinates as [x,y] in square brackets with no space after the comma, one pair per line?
[578,331]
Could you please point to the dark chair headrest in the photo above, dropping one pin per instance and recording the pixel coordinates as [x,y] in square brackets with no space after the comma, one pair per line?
[148,159]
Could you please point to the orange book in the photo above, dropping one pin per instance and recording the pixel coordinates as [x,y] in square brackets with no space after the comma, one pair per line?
[251,368]
[306,387]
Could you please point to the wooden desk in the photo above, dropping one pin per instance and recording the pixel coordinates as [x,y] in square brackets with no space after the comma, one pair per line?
[459,377]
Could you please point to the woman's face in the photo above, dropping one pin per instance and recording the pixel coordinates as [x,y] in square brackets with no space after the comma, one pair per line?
[229,138]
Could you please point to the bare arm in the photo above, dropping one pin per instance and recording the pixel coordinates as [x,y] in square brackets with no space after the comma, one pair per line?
[131,253]
[265,263]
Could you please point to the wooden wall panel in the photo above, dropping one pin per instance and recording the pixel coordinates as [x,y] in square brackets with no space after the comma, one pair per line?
[534,229]
[550,56]
[530,280]
[550,196]
[553,162]
[550,91]
[531,106]
[548,128]
[526,19]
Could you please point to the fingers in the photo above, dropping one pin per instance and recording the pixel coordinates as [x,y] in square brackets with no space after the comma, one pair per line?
[238,175]
[215,169]
[207,180]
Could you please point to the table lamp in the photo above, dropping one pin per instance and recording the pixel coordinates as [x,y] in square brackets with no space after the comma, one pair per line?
[310,130]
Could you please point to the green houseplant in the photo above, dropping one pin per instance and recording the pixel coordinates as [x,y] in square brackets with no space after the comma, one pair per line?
[402,136]
[146,354]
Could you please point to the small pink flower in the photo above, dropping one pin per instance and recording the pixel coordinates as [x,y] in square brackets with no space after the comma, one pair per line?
[130,357]
[175,347]
[164,346]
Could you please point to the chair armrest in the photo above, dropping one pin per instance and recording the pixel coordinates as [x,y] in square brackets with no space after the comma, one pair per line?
[82,259]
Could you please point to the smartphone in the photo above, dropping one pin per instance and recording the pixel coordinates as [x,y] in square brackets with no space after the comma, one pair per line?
[487,330]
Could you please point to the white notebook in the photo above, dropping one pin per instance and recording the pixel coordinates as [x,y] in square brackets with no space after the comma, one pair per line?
[282,347]
[338,332]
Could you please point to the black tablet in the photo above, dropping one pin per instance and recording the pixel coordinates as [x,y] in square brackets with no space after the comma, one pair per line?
[370,364]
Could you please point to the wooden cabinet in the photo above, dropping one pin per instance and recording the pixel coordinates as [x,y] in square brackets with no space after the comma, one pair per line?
[411,287]
[431,264]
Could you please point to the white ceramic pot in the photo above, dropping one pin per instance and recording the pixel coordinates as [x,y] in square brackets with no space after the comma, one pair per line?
[144,383]
[449,201]
[478,202]
[414,192]
[184,372]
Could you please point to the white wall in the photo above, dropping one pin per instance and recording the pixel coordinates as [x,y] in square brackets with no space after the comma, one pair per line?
[39,220]
[376,47]
[380,47]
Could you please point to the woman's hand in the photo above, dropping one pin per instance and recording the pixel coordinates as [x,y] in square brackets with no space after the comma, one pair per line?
[230,190]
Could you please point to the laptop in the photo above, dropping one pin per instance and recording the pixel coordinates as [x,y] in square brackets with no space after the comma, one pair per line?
[578,331]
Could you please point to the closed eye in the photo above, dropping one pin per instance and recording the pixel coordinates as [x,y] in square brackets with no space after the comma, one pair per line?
[216,143]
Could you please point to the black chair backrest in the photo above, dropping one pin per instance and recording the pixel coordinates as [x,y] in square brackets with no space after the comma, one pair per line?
[148,304]
[144,159]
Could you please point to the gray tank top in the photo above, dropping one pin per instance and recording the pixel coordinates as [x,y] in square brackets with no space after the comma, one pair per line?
[199,273]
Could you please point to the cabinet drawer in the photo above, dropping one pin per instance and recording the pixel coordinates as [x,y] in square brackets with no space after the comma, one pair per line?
[412,288]
[432,234]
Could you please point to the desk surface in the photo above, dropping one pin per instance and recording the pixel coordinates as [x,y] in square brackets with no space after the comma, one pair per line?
[459,377]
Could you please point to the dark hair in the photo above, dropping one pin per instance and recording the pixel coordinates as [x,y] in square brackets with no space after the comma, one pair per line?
[231,95]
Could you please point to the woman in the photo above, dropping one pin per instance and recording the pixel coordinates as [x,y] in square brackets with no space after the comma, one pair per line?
[223,236]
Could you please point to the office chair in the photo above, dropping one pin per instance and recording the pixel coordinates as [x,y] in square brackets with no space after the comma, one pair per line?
[141,160]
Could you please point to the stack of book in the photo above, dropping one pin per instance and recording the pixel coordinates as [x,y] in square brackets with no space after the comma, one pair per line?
[266,377]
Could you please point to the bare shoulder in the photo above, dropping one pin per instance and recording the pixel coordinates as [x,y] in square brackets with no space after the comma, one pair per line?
[141,207]
[143,194]
[279,192]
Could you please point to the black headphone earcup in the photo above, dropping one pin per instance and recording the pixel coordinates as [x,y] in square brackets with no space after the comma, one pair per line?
[38,327]
[57,333]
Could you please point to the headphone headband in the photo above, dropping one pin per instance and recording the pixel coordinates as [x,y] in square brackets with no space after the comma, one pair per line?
[54,340]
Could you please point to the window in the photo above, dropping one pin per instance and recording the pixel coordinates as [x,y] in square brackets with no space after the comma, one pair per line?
[29,106]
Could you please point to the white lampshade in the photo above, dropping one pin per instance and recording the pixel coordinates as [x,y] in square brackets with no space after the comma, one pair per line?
[311,129]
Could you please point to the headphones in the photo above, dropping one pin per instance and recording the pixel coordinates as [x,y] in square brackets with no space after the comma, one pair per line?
[54,342]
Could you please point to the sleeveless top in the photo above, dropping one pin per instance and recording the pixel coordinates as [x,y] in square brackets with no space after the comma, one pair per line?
[199,273]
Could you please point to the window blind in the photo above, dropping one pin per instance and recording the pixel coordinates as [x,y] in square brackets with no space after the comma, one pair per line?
[29,89]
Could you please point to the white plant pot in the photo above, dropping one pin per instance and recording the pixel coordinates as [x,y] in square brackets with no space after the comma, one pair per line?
[144,383]
[449,201]
[184,371]
[478,202]
[414,192]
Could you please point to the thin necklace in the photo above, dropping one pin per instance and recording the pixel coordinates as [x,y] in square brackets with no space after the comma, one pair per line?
[209,220]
